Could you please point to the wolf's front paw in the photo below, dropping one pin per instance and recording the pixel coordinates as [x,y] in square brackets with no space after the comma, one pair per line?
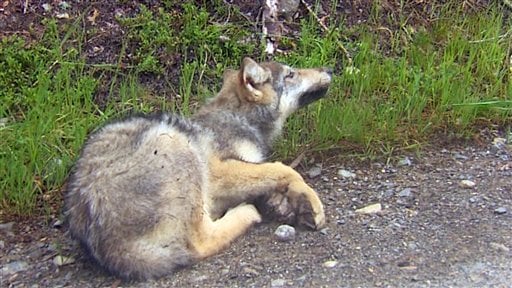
[310,211]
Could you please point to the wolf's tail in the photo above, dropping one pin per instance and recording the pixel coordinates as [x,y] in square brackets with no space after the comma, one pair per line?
[142,262]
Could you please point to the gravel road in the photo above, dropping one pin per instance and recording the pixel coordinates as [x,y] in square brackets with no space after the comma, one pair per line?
[445,220]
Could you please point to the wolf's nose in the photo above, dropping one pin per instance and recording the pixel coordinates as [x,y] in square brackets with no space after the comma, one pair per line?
[329,71]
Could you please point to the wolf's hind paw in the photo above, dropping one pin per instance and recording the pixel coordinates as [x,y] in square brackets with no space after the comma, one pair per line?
[279,208]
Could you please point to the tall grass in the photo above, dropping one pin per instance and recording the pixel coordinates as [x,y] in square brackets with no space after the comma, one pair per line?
[447,76]
[443,78]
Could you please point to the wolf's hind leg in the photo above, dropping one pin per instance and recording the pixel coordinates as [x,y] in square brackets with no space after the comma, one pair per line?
[211,236]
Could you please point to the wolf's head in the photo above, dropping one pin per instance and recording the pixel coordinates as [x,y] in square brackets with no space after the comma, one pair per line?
[272,87]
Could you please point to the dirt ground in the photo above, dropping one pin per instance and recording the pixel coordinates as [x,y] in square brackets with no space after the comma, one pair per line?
[434,230]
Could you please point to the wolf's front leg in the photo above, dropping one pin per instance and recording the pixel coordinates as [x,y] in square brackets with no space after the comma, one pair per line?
[232,182]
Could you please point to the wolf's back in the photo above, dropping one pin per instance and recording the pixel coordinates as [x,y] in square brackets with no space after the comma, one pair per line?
[125,197]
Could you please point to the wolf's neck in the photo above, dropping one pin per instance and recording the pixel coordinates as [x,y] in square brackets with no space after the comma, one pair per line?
[257,126]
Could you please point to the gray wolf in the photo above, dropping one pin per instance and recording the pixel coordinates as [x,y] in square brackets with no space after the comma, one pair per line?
[149,194]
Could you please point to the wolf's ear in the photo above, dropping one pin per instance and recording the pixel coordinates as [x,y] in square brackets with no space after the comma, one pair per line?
[253,74]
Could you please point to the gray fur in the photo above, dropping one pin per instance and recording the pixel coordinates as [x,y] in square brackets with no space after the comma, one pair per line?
[140,184]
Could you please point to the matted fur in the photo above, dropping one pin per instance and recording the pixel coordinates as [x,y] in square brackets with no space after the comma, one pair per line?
[151,193]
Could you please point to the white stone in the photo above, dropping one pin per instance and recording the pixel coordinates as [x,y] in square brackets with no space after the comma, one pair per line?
[467,184]
[330,263]
[346,174]
[60,260]
[370,209]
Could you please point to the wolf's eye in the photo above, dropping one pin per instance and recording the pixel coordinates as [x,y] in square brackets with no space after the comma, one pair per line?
[290,74]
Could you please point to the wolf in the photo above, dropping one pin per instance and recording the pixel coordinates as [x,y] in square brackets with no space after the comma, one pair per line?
[151,193]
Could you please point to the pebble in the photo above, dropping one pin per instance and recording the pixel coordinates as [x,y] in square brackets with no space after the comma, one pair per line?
[60,260]
[407,192]
[250,271]
[200,278]
[499,247]
[7,227]
[14,267]
[62,16]
[277,283]
[346,174]
[370,209]
[47,7]
[330,263]
[467,184]
[285,233]
[314,172]
[459,156]
[405,161]
[499,142]
[2,244]
[500,210]
[57,224]
[224,271]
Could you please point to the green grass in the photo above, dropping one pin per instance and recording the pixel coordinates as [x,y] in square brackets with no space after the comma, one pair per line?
[444,77]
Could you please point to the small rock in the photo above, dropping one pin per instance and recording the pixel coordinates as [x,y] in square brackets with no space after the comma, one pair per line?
[459,156]
[370,209]
[7,227]
[64,5]
[412,245]
[407,192]
[200,278]
[500,210]
[285,233]
[14,267]
[250,271]
[301,278]
[473,199]
[330,263]
[60,260]
[499,142]
[2,244]
[408,268]
[277,283]
[57,224]
[314,172]
[47,7]
[62,16]
[467,184]
[405,162]
[346,174]
[324,231]
[499,247]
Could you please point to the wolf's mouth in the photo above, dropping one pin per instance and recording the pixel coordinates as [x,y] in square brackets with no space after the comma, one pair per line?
[312,96]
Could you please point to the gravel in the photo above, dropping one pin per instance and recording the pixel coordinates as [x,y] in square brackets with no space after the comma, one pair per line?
[431,232]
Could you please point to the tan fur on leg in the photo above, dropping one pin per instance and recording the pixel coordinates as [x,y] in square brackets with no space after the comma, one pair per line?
[213,236]
[236,181]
